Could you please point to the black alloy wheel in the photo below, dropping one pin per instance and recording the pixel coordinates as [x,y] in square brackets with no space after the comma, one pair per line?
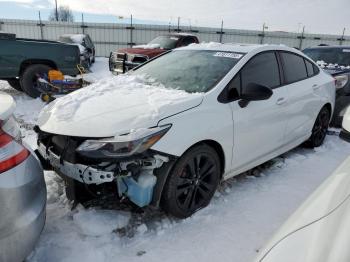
[319,131]
[192,182]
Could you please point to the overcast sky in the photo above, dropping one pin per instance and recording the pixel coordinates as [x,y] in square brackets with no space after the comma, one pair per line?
[318,16]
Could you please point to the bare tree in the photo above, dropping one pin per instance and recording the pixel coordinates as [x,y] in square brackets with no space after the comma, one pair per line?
[64,14]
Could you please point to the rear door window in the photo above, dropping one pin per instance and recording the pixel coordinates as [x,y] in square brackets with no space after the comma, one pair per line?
[262,70]
[310,68]
[294,67]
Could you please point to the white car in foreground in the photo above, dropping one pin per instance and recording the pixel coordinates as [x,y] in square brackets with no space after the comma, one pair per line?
[168,132]
[319,230]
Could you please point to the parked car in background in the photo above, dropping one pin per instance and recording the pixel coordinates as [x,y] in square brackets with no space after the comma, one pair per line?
[336,61]
[319,230]
[22,189]
[85,44]
[167,132]
[22,60]
[125,59]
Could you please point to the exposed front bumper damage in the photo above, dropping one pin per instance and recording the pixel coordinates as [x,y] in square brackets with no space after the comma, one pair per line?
[82,173]
[133,178]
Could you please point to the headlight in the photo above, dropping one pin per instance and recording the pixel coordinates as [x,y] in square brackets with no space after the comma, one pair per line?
[135,142]
[341,81]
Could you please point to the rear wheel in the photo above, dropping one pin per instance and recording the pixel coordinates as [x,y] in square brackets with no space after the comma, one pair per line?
[15,84]
[29,79]
[319,130]
[192,182]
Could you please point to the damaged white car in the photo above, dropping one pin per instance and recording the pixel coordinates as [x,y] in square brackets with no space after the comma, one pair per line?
[166,133]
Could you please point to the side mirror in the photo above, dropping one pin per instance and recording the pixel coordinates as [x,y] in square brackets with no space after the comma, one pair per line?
[254,92]
[345,133]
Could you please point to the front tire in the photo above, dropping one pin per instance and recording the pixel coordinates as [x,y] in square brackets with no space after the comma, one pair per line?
[192,182]
[15,84]
[319,130]
[29,79]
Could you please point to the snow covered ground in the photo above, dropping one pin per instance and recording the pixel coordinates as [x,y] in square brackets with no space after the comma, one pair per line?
[243,215]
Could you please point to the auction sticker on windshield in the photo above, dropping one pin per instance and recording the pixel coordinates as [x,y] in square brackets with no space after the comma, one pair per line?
[228,55]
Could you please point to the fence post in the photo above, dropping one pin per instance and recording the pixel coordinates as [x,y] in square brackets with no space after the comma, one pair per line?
[342,37]
[262,35]
[178,25]
[83,26]
[131,28]
[41,27]
[301,38]
[221,30]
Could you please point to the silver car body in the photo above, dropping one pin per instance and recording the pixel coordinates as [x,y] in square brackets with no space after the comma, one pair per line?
[22,200]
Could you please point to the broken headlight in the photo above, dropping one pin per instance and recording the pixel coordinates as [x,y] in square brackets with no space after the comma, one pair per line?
[134,142]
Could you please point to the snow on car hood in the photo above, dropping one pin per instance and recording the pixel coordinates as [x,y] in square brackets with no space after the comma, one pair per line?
[113,106]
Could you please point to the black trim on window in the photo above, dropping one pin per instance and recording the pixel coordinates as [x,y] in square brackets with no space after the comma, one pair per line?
[223,96]
[313,63]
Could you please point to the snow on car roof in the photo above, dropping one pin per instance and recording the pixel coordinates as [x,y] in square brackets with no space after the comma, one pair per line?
[77,38]
[181,34]
[236,47]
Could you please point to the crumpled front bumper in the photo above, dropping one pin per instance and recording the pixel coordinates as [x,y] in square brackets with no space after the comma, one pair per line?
[82,173]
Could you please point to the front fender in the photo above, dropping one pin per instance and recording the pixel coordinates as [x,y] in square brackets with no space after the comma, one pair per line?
[196,125]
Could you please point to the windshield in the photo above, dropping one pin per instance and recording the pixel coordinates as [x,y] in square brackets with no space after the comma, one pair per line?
[189,70]
[340,56]
[165,42]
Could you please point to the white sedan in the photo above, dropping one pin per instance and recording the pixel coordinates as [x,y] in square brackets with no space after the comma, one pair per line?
[166,133]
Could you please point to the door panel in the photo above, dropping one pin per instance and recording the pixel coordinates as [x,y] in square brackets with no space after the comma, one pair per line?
[302,94]
[259,128]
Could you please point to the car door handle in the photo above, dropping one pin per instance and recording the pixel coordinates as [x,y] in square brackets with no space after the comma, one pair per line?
[281,101]
[315,87]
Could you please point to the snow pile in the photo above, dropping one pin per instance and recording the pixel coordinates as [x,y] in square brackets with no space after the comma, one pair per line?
[100,222]
[78,38]
[206,45]
[147,46]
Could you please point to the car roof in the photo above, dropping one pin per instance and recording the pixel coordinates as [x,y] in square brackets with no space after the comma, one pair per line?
[239,48]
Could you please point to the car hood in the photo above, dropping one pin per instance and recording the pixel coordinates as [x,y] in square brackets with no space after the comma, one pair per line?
[113,106]
[150,52]
[318,230]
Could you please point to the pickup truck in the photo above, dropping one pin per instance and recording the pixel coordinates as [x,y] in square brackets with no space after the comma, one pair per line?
[126,59]
[22,60]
